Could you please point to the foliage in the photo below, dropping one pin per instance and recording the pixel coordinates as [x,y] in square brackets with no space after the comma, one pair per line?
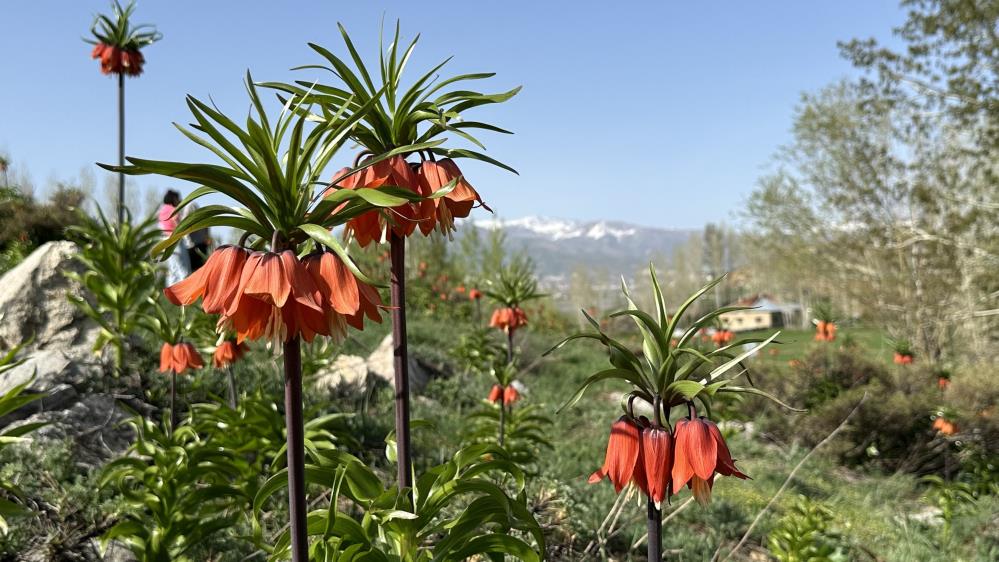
[399,121]
[461,510]
[515,283]
[118,277]
[948,497]
[673,374]
[803,535]
[272,172]
[525,431]
[14,399]
[177,488]
[26,223]
[117,30]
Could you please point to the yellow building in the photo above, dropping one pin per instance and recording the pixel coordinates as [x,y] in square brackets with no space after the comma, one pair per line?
[765,314]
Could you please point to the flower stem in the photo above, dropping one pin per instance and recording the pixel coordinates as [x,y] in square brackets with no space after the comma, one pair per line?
[121,148]
[232,386]
[502,421]
[173,400]
[655,532]
[400,353]
[296,449]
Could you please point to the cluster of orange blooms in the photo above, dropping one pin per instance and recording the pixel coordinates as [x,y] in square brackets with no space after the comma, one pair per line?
[424,179]
[115,60]
[659,461]
[509,319]
[179,357]
[182,356]
[277,295]
[722,337]
[902,358]
[508,394]
[944,426]
[825,331]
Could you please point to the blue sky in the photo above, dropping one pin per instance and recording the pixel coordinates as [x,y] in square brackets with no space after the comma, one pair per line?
[658,113]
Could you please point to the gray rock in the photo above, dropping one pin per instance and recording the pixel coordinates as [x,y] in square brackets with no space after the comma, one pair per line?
[94,423]
[381,363]
[346,369]
[33,304]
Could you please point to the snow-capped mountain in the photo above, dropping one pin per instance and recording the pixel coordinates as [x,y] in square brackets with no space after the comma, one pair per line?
[609,248]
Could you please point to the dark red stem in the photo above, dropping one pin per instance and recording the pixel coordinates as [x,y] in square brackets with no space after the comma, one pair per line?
[655,521]
[296,449]
[121,148]
[400,354]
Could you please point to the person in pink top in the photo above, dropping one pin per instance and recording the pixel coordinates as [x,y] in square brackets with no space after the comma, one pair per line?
[178,266]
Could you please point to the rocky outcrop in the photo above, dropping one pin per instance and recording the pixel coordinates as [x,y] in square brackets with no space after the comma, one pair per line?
[56,342]
[377,367]
[33,304]
[34,312]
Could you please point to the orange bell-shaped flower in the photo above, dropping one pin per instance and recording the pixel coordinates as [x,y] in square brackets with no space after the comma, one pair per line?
[179,357]
[215,282]
[495,393]
[373,226]
[622,455]
[347,299]
[227,353]
[699,453]
[457,203]
[657,453]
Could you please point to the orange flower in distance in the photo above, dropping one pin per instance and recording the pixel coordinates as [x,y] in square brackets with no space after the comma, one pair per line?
[508,319]
[215,282]
[944,427]
[722,337]
[372,226]
[943,383]
[902,359]
[495,393]
[458,203]
[227,354]
[345,298]
[699,454]
[115,60]
[179,357]
[276,298]
[474,294]
[460,289]
[825,331]
[510,395]
[657,457]
[622,455]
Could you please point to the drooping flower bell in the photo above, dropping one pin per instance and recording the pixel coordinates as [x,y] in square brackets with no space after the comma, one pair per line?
[902,358]
[346,298]
[215,282]
[456,204]
[373,226]
[510,395]
[474,294]
[699,454]
[621,460]
[179,357]
[227,353]
[495,393]
[657,458]
[276,298]
[508,319]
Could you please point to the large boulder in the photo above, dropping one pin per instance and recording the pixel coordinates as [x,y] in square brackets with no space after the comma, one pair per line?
[57,338]
[381,363]
[377,367]
[33,303]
